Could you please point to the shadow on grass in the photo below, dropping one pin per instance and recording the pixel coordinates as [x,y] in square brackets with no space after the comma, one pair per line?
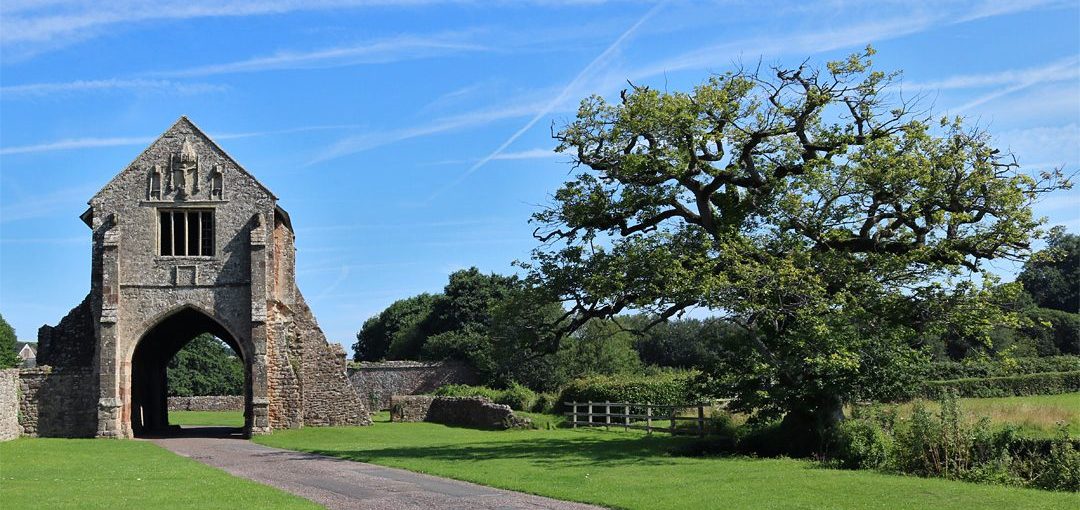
[547,452]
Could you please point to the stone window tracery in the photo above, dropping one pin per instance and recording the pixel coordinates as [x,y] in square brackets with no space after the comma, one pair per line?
[186,232]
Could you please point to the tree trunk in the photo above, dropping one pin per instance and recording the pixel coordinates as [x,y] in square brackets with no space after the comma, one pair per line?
[807,430]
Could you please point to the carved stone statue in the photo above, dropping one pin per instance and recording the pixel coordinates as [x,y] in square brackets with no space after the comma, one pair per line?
[185,173]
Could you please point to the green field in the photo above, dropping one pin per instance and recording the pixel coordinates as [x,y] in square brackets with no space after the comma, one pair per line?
[1036,415]
[208,418]
[113,474]
[633,471]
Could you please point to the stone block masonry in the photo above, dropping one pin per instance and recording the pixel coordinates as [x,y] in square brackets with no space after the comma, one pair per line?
[9,404]
[376,382]
[58,402]
[474,412]
[207,403]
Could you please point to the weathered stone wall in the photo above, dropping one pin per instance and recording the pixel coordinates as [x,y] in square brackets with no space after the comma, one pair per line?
[376,382]
[207,403]
[9,404]
[410,408]
[475,412]
[58,402]
[329,399]
[71,342]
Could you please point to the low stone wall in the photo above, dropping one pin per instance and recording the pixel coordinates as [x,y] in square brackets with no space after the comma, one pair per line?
[9,404]
[376,382]
[475,412]
[58,403]
[207,403]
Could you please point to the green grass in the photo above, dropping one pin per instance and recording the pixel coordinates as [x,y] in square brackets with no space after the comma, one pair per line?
[210,418]
[1036,415]
[633,471]
[115,474]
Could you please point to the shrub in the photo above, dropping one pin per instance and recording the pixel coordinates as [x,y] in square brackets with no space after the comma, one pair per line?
[861,443]
[547,403]
[986,367]
[1021,385]
[666,388]
[464,390]
[518,397]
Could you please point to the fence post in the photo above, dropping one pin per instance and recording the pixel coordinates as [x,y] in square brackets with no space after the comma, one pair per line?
[648,419]
[607,414]
[701,420]
[673,421]
[589,417]
[574,416]
[626,417]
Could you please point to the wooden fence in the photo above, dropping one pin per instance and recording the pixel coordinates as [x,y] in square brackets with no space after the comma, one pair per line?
[648,417]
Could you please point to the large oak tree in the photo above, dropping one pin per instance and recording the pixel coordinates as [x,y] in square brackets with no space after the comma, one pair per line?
[815,207]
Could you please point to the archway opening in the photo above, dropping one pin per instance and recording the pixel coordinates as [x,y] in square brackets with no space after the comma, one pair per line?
[150,369]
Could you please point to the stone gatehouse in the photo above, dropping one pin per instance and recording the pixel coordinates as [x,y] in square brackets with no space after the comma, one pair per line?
[185,241]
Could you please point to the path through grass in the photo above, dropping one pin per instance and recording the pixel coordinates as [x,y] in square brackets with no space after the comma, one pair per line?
[630,470]
[118,474]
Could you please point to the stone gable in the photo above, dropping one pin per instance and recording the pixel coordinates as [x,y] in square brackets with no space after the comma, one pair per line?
[186,241]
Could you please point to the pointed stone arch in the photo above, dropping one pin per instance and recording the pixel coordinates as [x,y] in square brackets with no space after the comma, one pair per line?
[145,408]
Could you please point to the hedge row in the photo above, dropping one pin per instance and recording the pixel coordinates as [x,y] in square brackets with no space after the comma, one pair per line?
[969,369]
[672,388]
[1050,383]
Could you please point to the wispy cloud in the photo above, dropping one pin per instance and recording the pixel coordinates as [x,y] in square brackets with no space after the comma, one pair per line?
[80,86]
[120,141]
[561,97]
[367,141]
[375,52]
[1061,70]
[37,25]
[44,205]
[76,143]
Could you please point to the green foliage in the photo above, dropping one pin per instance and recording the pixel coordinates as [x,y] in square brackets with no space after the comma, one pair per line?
[518,397]
[391,326]
[205,366]
[1052,276]
[832,225]
[8,357]
[1029,384]
[952,444]
[665,388]
[981,367]
[685,343]
[1058,331]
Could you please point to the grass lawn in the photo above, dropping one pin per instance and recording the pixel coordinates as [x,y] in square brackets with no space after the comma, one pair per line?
[1036,415]
[210,418]
[633,471]
[113,474]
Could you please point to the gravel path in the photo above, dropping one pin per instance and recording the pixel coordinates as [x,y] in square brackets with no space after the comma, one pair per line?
[337,483]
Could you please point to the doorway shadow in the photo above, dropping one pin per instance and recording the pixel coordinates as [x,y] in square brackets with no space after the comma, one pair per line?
[196,431]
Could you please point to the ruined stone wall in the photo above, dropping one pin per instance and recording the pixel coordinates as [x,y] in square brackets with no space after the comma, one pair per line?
[207,403]
[9,404]
[475,412]
[329,398]
[410,408]
[376,382]
[71,342]
[58,402]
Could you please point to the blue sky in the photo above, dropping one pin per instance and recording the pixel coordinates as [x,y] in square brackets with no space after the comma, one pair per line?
[409,139]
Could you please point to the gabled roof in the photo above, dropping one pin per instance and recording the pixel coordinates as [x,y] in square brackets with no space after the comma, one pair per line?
[19,346]
[179,124]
